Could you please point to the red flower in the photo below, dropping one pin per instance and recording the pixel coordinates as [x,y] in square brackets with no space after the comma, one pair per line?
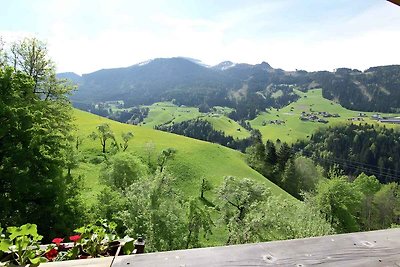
[57,240]
[51,254]
[74,238]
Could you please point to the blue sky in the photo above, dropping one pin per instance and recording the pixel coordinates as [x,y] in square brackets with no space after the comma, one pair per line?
[84,36]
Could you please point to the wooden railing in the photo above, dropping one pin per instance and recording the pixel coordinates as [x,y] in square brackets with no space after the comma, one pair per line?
[376,248]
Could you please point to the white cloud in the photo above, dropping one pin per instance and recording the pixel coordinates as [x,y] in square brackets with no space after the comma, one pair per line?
[125,37]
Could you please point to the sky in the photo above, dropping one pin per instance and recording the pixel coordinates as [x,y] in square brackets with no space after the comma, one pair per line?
[87,35]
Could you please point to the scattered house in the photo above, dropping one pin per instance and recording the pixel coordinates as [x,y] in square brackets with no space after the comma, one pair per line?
[304,118]
[278,122]
[335,115]
[376,116]
[390,120]
[362,114]
[356,119]
[314,117]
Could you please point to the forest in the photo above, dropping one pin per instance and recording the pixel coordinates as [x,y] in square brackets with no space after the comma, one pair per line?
[357,148]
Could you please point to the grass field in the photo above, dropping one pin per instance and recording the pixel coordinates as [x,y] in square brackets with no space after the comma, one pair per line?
[194,160]
[295,129]
[167,113]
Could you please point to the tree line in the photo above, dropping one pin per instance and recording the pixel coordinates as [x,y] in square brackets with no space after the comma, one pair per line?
[349,202]
[357,148]
[203,130]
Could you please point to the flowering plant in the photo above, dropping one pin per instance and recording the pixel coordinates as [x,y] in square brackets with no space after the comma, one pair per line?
[94,239]
[20,246]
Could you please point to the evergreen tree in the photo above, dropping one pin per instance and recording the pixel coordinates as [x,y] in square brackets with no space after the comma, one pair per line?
[270,150]
[283,155]
[290,179]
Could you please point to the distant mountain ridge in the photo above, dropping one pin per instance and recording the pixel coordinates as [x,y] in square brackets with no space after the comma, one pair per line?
[245,87]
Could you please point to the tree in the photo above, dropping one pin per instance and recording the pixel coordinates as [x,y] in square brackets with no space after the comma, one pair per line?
[3,57]
[34,136]
[290,179]
[239,194]
[126,137]
[31,57]
[340,202]
[165,156]
[199,218]
[283,155]
[103,133]
[278,218]
[270,151]
[155,210]
[368,186]
[386,205]
[204,187]
[309,174]
[122,170]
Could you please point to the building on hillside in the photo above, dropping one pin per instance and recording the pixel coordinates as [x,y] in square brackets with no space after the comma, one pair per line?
[390,120]
[376,116]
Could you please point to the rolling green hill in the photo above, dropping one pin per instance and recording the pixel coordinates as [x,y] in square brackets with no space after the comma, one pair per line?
[293,128]
[167,113]
[194,159]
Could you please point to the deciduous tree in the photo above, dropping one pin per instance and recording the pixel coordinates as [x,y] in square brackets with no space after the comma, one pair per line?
[103,133]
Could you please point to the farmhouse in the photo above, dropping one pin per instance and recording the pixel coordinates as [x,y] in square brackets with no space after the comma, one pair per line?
[390,120]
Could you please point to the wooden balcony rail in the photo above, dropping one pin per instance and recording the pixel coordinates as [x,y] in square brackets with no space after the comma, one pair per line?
[376,248]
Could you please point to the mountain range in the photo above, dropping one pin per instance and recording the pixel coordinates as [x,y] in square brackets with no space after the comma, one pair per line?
[244,87]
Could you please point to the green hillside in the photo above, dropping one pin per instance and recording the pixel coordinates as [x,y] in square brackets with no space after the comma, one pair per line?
[293,128]
[167,113]
[194,159]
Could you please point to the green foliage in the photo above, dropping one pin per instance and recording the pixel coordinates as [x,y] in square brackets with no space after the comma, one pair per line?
[280,219]
[20,245]
[368,185]
[199,218]
[95,238]
[103,133]
[122,170]
[373,149]
[309,174]
[155,210]
[254,215]
[165,156]
[340,202]
[194,159]
[290,180]
[126,137]
[386,204]
[36,123]
[237,195]
[204,187]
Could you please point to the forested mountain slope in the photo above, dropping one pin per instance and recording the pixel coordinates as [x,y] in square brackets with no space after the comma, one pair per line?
[247,88]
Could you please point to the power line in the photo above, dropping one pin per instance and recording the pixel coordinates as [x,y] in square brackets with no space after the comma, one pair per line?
[356,165]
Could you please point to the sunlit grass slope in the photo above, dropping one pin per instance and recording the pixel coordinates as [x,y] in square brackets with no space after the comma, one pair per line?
[295,129]
[167,113]
[194,159]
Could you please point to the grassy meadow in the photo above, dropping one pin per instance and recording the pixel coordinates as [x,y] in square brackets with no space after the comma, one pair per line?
[167,113]
[194,160]
[295,129]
